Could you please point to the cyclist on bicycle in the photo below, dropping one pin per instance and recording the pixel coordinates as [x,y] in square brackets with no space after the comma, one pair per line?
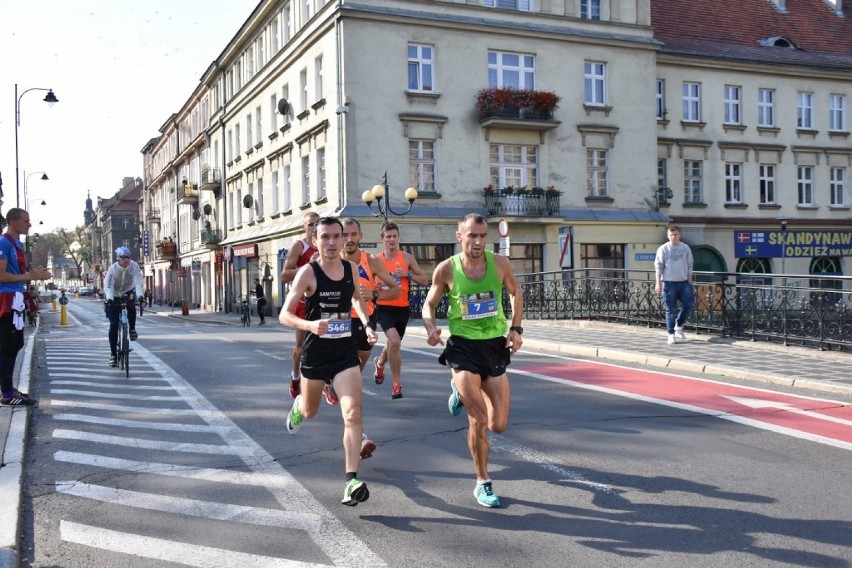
[123,279]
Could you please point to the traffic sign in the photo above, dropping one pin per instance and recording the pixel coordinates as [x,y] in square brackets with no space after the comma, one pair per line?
[503,227]
[63,300]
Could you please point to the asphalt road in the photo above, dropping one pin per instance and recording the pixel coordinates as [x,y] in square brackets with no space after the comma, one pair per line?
[189,462]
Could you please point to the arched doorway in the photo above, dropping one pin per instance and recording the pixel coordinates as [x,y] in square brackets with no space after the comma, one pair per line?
[707,259]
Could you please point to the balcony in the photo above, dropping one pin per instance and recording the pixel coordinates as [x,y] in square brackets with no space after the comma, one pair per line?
[521,202]
[152,215]
[211,238]
[517,109]
[166,249]
[187,194]
[211,180]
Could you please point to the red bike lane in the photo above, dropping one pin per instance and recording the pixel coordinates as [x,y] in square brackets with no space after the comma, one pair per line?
[816,419]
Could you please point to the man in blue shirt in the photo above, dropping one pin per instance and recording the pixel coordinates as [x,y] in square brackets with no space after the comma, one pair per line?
[13,278]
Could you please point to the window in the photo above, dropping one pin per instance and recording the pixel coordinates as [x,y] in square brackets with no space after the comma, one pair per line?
[239,211]
[805,110]
[596,169]
[662,178]
[287,14]
[251,209]
[838,187]
[306,180]
[595,83]
[733,182]
[303,89]
[318,78]
[525,259]
[767,184]
[421,165]
[287,188]
[260,53]
[321,187]
[249,57]
[258,123]
[661,100]
[274,40]
[511,70]
[261,210]
[238,74]
[766,108]
[306,10]
[275,200]
[249,141]
[237,146]
[520,5]
[837,112]
[273,113]
[514,165]
[285,94]
[590,9]
[693,191]
[732,105]
[420,67]
[806,185]
[692,102]
[230,145]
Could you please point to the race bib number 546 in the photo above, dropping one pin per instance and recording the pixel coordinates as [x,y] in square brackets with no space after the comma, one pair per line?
[339,325]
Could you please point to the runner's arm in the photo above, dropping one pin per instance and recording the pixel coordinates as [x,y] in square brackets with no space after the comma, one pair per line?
[288,273]
[441,282]
[304,284]
[380,272]
[516,298]
[417,275]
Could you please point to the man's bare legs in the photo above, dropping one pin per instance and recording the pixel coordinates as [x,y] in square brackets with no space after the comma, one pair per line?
[487,405]
[392,352]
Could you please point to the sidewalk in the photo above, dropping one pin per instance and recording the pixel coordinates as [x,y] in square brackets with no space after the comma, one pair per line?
[722,358]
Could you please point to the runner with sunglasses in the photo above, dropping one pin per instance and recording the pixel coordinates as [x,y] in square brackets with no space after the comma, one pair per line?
[124,278]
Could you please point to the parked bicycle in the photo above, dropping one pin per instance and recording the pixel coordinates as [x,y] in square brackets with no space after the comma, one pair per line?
[245,312]
[123,346]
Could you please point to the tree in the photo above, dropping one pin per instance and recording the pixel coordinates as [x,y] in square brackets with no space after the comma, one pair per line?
[42,246]
[74,245]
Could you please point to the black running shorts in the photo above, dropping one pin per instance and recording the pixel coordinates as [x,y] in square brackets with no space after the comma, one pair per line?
[485,357]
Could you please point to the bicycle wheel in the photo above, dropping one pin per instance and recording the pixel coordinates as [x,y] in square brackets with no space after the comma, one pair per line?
[125,351]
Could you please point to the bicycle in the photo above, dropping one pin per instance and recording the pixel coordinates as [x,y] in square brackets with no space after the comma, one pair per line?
[245,313]
[123,350]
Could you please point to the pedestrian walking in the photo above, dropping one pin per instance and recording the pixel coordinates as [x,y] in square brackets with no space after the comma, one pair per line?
[392,315]
[13,278]
[478,349]
[298,256]
[261,301]
[673,267]
[329,355]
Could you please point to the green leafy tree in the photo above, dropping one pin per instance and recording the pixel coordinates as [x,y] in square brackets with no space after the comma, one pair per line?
[42,246]
[74,246]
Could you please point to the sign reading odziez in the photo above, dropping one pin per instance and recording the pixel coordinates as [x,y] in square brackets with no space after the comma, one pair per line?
[792,244]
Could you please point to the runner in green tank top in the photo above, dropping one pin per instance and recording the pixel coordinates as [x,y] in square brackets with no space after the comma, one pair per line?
[478,349]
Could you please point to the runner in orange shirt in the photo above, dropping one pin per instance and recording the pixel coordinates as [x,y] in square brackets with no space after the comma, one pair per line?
[393,315]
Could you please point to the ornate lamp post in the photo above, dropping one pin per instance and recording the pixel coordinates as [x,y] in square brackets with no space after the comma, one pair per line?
[50,99]
[381,191]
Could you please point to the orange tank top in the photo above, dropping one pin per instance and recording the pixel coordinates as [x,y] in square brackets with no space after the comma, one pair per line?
[404,282]
[365,276]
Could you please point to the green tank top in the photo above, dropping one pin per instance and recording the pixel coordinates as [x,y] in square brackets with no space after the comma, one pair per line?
[476,306]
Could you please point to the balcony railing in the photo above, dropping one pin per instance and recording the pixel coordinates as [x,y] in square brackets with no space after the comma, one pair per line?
[187,194]
[211,237]
[211,180]
[153,215]
[522,204]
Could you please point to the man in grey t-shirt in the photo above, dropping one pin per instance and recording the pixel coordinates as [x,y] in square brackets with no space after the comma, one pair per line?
[673,265]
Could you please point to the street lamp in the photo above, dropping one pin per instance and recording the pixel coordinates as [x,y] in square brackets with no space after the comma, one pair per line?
[27,179]
[381,191]
[27,243]
[50,99]
[783,221]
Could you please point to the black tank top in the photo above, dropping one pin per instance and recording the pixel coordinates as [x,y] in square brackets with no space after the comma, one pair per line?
[332,299]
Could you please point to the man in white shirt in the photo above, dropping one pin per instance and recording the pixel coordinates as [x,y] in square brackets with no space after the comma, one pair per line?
[123,279]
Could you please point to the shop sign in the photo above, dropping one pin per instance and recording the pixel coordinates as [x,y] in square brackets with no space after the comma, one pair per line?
[249,250]
[196,265]
[792,244]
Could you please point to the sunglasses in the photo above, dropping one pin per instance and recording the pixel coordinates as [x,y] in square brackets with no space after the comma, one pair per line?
[124,257]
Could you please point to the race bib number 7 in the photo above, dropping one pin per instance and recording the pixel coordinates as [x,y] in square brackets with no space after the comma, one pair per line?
[479,305]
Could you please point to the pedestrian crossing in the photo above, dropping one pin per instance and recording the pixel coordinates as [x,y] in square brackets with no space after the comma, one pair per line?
[122,440]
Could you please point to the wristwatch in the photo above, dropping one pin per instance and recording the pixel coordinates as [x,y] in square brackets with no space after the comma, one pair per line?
[517,329]
[375,296]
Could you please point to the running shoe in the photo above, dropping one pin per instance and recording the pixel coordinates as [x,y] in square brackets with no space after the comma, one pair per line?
[379,375]
[113,361]
[330,395]
[671,339]
[355,492]
[17,399]
[485,496]
[367,447]
[294,419]
[133,335]
[397,391]
[295,387]
[455,402]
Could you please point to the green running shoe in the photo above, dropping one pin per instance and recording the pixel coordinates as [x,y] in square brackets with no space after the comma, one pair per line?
[455,403]
[355,492]
[485,496]
[294,419]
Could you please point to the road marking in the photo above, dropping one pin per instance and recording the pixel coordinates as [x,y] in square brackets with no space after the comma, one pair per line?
[760,403]
[136,423]
[109,377]
[119,384]
[169,551]
[119,408]
[192,507]
[188,447]
[117,396]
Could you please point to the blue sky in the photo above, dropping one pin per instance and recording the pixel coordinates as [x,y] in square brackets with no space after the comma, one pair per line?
[119,70]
